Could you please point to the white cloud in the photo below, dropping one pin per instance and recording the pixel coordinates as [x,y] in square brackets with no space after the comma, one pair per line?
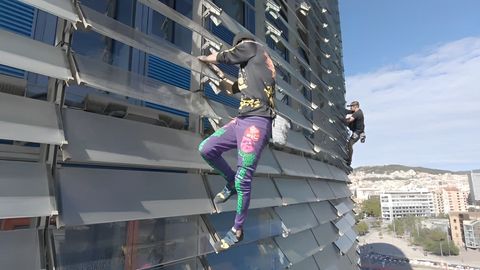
[424,110]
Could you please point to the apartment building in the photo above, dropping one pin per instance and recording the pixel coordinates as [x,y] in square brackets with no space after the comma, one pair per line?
[398,204]
[450,199]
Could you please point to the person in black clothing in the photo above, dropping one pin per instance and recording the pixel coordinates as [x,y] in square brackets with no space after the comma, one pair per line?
[355,121]
[249,132]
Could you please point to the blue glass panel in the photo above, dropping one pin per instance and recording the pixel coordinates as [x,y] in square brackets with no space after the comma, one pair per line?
[11,71]
[168,72]
[222,32]
[250,19]
[169,110]
[264,254]
[261,223]
[125,14]
[221,97]
[235,9]
[16,17]
[231,70]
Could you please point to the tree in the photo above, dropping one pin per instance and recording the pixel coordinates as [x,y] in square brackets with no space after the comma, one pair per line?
[371,207]
[436,242]
[362,228]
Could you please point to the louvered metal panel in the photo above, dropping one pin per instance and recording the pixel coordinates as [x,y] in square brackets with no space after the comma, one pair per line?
[338,174]
[323,211]
[293,165]
[106,77]
[24,53]
[326,234]
[94,195]
[297,217]
[320,169]
[266,164]
[307,264]
[135,145]
[343,225]
[341,207]
[340,190]
[20,250]
[24,190]
[29,120]
[322,189]
[344,243]
[163,49]
[298,247]
[328,257]
[296,140]
[264,194]
[350,217]
[294,190]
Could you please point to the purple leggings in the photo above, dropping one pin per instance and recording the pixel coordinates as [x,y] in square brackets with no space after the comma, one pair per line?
[249,134]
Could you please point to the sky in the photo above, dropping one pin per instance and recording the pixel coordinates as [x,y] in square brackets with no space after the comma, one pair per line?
[414,66]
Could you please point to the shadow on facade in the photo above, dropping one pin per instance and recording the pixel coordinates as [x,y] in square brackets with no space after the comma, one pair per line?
[383,256]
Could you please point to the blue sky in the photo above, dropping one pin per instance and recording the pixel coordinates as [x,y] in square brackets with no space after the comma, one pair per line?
[415,68]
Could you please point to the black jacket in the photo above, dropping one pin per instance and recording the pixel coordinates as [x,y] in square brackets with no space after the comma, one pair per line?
[256,79]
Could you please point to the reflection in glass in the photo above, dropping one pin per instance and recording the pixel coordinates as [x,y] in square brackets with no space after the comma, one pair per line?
[234,9]
[261,223]
[15,224]
[164,28]
[131,245]
[260,255]
[162,241]
[94,45]
[190,264]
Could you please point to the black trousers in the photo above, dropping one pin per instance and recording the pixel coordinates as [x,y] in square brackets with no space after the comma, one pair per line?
[353,139]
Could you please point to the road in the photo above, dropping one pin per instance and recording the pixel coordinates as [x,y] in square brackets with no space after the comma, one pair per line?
[397,247]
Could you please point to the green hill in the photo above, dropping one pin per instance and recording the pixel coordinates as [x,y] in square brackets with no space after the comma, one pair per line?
[384,169]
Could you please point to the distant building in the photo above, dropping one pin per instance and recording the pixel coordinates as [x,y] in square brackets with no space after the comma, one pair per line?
[474,182]
[450,199]
[397,204]
[457,220]
[362,194]
[471,229]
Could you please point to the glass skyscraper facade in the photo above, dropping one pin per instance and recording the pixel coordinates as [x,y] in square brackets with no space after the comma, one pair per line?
[102,107]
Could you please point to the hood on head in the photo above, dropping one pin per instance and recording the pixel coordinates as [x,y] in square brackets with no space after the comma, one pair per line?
[241,36]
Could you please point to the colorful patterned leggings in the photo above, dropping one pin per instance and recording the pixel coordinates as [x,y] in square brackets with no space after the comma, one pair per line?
[249,135]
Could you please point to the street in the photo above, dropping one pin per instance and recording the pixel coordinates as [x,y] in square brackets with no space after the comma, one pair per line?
[374,245]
